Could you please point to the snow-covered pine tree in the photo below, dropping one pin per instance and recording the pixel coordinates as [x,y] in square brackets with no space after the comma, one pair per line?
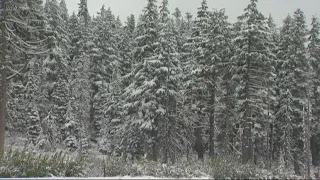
[125,43]
[104,53]
[293,77]
[34,127]
[283,125]
[195,88]
[122,42]
[217,72]
[253,58]
[131,25]
[142,120]
[74,35]
[56,67]
[32,100]
[180,29]
[13,25]
[83,12]
[228,127]
[168,71]
[34,96]
[16,119]
[314,55]
[111,132]
[177,16]
[79,84]
[271,100]
[17,104]
[298,68]
[189,21]
[64,12]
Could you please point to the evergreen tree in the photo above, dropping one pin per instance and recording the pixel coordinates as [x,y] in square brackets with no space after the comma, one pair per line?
[253,59]
[13,26]
[293,88]
[196,86]
[299,68]
[141,98]
[168,75]
[283,124]
[273,92]
[64,12]
[83,12]
[33,97]
[216,71]
[111,131]
[79,85]
[314,55]
[56,66]
[104,53]
[131,25]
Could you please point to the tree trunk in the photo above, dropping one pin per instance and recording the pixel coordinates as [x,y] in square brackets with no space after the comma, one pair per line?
[3,103]
[211,123]
[155,146]
[166,143]
[199,147]
[296,165]
[246,143]
[211,135]
[308,153]
[247,146]
[3,76]
[314,147]
[271,142]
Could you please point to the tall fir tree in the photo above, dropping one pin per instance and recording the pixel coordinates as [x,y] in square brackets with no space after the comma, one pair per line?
[79,85]
[283,123]
[15,22]
[56,67]
[140,96]
[196,89]
[299,69]
[103,55]
[168,70]
[293,88]
[253,58]
[314,55]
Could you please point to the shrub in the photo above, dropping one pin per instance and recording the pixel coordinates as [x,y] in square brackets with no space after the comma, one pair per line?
[228,167]
[20,163]
[114,166]
[178,170]
[220,167]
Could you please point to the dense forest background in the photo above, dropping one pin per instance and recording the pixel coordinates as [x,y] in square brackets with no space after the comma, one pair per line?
[163,85]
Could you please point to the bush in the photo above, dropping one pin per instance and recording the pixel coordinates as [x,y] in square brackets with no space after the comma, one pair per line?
[114,166]
[228,167]
[220,167]
[20,163]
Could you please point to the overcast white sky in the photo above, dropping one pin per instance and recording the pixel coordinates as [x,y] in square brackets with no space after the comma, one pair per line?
[278,8]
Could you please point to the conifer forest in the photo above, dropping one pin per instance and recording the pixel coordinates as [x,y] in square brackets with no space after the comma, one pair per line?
[162,86]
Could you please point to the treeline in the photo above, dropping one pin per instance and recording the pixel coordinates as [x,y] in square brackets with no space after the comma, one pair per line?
[165,85]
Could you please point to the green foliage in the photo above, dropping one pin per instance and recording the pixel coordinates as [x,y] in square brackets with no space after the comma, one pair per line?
[229,167]
[20,163]
[220,167]
[114,167]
